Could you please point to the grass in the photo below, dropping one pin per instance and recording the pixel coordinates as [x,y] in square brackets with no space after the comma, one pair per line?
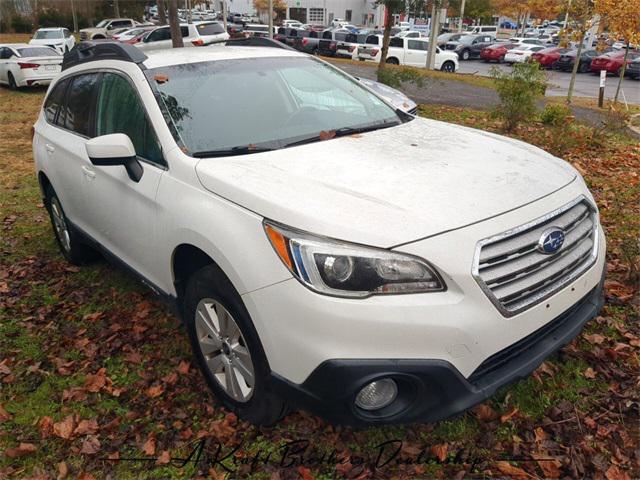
[97,317]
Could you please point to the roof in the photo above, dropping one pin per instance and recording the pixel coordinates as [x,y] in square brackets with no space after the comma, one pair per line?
[177,56]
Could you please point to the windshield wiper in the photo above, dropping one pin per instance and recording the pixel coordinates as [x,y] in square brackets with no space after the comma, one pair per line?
[342,132]
[228,152]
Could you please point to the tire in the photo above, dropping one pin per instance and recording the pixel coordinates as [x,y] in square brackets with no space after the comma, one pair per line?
[66,49]
[12,82]
[69,241]
[465,55]
[210,295]
[448,66]
[501,59]
[392,61]
[98,37]
[583,68]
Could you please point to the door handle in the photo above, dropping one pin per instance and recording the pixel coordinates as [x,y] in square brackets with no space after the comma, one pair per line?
[88,172]
[50,148]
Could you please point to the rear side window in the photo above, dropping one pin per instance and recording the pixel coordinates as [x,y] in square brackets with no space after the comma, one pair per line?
[417,45]
[37,52]
[126,115]
[371,40]
[76,115]
[209,29]
[54,100]
[341,36]
[327,35]
[396,42]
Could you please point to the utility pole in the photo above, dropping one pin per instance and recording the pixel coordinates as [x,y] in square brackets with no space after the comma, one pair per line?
[75,17]
[116,8]
[174,25]
[433,35]
[270,18]
[187,7]
[461,16]
[224,14]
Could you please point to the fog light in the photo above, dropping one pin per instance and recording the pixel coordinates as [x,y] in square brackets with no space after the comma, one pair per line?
[377,395]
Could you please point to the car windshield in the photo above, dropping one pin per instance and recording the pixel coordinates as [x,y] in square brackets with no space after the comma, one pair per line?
[37,52]
[248,105]
[102,24]
[48,34]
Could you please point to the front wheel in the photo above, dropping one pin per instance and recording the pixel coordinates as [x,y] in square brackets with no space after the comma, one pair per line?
[465,55]
[448,66]
[583,68]
[12,82]
[228,349]
[392,61]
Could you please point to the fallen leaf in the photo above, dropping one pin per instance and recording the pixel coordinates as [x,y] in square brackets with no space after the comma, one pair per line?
[155,391]
[21,450]
[46,427]
[149,446]
[63,471]
[164,458]
[507,416]
[485,413]
[511,470]
[614,473]
[549,466]
[4,415]
[64,429]
[90,445]
[595,338]
[183,367]
[589,373]
[95,382]
[305,473]
[86,427]
[440,451]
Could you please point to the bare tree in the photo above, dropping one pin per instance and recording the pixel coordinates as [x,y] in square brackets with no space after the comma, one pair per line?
[174,24]
[162,12]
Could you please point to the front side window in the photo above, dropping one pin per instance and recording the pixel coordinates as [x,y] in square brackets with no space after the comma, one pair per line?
[396,42]
[158,35]
[371,40]
[298,98]
[76,114]
[54,100]
[417,45]
[126,115]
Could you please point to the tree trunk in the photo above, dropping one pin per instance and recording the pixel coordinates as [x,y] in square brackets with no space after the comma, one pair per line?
[386,38]
[433,35]
[162,13]
[116,8]
[461,16]
[622,70]
[174,23]
[576,65]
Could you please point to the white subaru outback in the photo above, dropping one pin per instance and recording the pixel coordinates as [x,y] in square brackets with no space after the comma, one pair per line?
[325,250]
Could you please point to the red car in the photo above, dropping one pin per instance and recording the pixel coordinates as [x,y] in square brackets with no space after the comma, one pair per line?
[549,56]
[611,62]
[496,52]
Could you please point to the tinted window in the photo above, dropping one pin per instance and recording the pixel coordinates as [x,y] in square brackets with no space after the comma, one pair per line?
[5,53]
[54,100]
[313,34]
[327,35]
[183,30]
[160,34]
[76,116]
[396,42]
[417,45]
[126,115]
[372,40]
[341,36]
[209,29]
[37,52]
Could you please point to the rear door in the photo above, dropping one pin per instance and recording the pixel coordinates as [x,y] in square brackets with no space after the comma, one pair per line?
[416,52]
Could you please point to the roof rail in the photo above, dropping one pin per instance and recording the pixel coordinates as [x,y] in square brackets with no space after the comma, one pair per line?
[102,50]
[257,42]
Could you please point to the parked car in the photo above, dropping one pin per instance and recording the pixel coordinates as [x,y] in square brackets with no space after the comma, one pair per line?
[131,34]
[444,38]
[193,35]
[307,41]
[59,39]
[104,29]
[567,60]
[522,53]
[394,97]
[292,24]
[509,25]
[409,51]
[329,41]
[496,52]
[611,62]
[256,30]
[23,65]
[525,41]
[548,57]
[490,30]
[235,30]
[295,242]
[411,34]
[633,69]
[470,46]
[348,48]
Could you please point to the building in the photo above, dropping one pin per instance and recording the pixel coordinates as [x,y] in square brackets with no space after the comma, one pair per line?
[322,12]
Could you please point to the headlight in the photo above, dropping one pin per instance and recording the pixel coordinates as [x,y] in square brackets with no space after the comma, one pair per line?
[342,269]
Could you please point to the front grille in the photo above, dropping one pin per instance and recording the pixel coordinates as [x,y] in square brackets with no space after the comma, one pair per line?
[414,110]
[83,35]
[523,346]
[515,275]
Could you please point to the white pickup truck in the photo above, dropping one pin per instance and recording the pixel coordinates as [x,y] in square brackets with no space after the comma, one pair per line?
[407,51]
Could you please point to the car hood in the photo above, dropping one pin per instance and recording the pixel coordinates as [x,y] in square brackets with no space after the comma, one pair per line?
[390,186]
[45,41]
[92,30]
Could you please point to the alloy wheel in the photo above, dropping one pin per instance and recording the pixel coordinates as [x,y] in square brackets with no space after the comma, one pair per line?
[224,349]
[60,225]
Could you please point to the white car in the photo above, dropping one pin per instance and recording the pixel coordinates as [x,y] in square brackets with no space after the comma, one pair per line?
[59,39]
[404,26]
[324,250]
[193,35]
[522,53]
[131,33]
[23,65]
[408,51]
[292,24]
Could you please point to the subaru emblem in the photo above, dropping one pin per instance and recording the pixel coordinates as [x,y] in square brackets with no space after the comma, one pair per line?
[551,240]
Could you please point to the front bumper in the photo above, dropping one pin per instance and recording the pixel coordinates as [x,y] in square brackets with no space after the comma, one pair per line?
[432,390]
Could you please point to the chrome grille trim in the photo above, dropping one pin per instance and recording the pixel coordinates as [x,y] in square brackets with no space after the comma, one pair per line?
[515,276]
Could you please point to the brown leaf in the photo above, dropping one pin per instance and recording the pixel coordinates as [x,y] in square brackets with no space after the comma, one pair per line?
[95,382]
[86,476]
[46,427]
[549,466]
[540,434]
[183,367]
[21,450]
[64,429]
[149,446]
[485,413]
[164,458]
[155,391]
[440,451]
[4,415]
[589,373]
[507,416]
[305,473]
[63,471]
[86,427]
[170,378]
[511,471]
[595,338]
[90,445]
[614,473]
[133,357]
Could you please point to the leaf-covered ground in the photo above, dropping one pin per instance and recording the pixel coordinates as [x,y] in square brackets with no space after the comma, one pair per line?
[96,377]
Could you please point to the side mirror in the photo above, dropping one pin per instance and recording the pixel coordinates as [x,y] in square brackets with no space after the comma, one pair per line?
[109,27]
[115,149]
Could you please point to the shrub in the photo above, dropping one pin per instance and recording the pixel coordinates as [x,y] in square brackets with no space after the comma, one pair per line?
[518,90]
[555,114]
[396,76]
[20,24]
